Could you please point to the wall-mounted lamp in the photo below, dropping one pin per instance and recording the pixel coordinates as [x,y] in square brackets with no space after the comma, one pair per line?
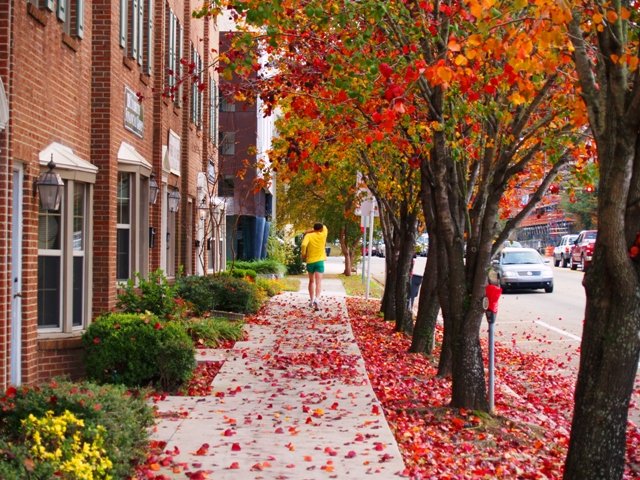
[174,200]
[153,190]
[50,185]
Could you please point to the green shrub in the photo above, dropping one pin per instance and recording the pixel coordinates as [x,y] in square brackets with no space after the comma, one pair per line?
[153,295]
[121,417]
[212,331]
[138,350]
[264,266]
[232,294]
[197,291]
[272,287]
[278,249]
[295,266]
[241,273]
[220,292]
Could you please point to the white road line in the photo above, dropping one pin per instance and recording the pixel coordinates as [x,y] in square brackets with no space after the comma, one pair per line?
[561,332]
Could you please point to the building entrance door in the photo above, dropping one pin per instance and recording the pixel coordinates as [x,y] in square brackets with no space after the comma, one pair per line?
[16,278]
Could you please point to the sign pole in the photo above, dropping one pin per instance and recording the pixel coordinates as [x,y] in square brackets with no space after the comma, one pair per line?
[490,304]
[366,294]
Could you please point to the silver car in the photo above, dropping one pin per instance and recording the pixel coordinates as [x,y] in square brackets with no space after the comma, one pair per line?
[521,268]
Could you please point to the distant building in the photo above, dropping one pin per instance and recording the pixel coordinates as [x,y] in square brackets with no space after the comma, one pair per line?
[545,225]
[245,137]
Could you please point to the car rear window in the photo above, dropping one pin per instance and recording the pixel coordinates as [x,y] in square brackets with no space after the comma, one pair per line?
[515,258]
[590,235]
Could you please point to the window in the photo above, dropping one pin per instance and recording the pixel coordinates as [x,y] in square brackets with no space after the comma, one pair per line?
[132,214]
[62,262]
[69,12]
[227,186]
[123,236]
[197,84]
[136,31]
[174,36]
[227,105]
[170,268]
[213,110]
[227,143]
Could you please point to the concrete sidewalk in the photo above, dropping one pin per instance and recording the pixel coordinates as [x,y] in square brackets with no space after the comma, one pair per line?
[291,402]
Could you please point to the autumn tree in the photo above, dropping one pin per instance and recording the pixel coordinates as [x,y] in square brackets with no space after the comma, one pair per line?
[475,98]
[605,38]
[316,185]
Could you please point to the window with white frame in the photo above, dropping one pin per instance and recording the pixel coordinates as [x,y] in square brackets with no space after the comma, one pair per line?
[197,84]
[136,31]
[227,186]
[174,36]
[170,244]
[123,227]
[69,12]
[227,104]
[227,143]
[63,269]
[132,223]
[213,110]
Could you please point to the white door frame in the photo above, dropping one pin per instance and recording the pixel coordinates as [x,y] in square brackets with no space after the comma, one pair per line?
[16,276]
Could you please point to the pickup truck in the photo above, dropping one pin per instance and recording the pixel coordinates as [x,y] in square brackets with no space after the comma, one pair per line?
[562,251]
[582,252]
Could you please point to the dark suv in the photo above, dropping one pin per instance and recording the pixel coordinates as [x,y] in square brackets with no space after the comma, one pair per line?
[582,252]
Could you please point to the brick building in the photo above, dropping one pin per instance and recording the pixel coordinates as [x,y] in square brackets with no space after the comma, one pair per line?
[245,138]
[121,96]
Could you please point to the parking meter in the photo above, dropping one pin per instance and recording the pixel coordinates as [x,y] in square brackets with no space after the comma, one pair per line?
[490,304]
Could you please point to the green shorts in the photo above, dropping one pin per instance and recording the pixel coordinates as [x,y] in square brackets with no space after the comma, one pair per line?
[316,267]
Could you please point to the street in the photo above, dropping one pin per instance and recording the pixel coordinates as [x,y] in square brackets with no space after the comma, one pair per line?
[549,324]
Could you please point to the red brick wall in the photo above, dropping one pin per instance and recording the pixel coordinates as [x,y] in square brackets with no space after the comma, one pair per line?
[112,70]
[71,91]
[50,102]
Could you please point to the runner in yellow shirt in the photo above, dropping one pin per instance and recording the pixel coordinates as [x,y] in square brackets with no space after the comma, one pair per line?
[313,252]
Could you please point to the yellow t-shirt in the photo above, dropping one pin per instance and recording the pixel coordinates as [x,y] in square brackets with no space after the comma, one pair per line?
[313,245]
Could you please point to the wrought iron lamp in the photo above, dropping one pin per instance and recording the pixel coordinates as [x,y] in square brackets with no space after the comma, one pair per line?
[50,187]
[174,200]
[153,190]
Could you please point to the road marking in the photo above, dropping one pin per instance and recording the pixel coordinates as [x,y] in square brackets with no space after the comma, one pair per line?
[561,332]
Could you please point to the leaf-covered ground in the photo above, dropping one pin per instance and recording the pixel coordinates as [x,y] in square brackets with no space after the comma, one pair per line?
[527,438]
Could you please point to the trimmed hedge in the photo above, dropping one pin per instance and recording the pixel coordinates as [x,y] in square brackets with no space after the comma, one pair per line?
[138,350]
[219,292]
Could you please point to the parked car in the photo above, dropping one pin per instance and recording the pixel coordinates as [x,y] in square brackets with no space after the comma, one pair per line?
[521,268]
[562,251]
[582,251]
[378,249]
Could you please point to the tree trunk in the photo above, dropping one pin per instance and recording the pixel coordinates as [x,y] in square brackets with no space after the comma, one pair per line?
[608,365]
[403,273]
[422,340]
[610,346]
[388,304]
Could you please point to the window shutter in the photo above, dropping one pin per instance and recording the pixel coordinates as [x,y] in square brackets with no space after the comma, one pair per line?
[171,50]
[123,22]
[80,18]
[150,13]
[62,10]
[179,54]
[192,115]
[140,31]
[133,41]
